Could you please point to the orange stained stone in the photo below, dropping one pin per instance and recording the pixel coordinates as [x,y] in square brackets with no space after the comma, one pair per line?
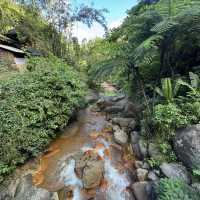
[52,153]
[38,178]
[104,184]
[99,158]
[108,130]
[107,153]
[99,146]
[89,152]
[95,135]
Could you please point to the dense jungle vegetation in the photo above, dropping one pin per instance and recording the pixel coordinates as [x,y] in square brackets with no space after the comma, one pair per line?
[153,56]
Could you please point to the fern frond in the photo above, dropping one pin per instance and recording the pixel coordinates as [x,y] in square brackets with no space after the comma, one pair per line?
[164,26]
[146,50]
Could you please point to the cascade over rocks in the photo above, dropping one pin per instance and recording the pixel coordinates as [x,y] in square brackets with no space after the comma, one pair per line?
[187,146]
[90,169]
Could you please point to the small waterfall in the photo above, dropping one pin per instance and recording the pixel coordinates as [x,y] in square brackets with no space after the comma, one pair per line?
[117,182]
[69,177]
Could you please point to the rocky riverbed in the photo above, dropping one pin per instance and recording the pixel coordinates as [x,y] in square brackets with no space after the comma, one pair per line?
[101,156]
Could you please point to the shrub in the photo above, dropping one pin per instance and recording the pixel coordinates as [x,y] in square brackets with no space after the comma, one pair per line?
[191,106]
[172,189]
[33,106]
[168,118]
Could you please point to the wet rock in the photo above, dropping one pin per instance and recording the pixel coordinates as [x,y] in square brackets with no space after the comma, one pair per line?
[143,191]
[92,175]
[125,123]
[120,136]
[174,170]
[90,169]
[141,174]
[187,146]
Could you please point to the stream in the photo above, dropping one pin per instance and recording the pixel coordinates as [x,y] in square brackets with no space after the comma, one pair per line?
[85,163]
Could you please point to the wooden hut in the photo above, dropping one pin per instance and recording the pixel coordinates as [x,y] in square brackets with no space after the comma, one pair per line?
[13,56]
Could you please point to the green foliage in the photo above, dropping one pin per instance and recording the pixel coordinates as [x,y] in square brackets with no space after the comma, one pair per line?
[196,173]
[172,189]
[34,106]
[190,105]
[167,91]
[168,118]
[167,151]
[153,163]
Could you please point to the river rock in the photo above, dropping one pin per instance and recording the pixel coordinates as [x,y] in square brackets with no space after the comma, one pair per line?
[92,97]
[143,191]
[125,123]
[140,149]
[105,101]
[120,136]
[187,146]
[141,174]
[118,105]
[23,189]
[90,169]
[174,170]
[131,109]
[135,137]
[114,109]
[152,176]
[138,164]
[92,175]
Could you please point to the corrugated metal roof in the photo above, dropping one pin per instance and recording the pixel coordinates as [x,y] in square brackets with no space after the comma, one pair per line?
[12,49]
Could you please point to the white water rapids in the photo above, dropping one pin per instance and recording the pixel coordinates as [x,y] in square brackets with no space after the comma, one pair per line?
[117,182]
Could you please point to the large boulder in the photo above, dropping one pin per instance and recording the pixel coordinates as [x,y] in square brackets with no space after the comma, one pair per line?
[23,189]
[118,105]
[93,174]
[90,169]
[187,146]
[175,170]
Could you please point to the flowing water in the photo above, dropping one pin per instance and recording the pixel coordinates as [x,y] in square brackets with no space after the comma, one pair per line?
[90,134]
